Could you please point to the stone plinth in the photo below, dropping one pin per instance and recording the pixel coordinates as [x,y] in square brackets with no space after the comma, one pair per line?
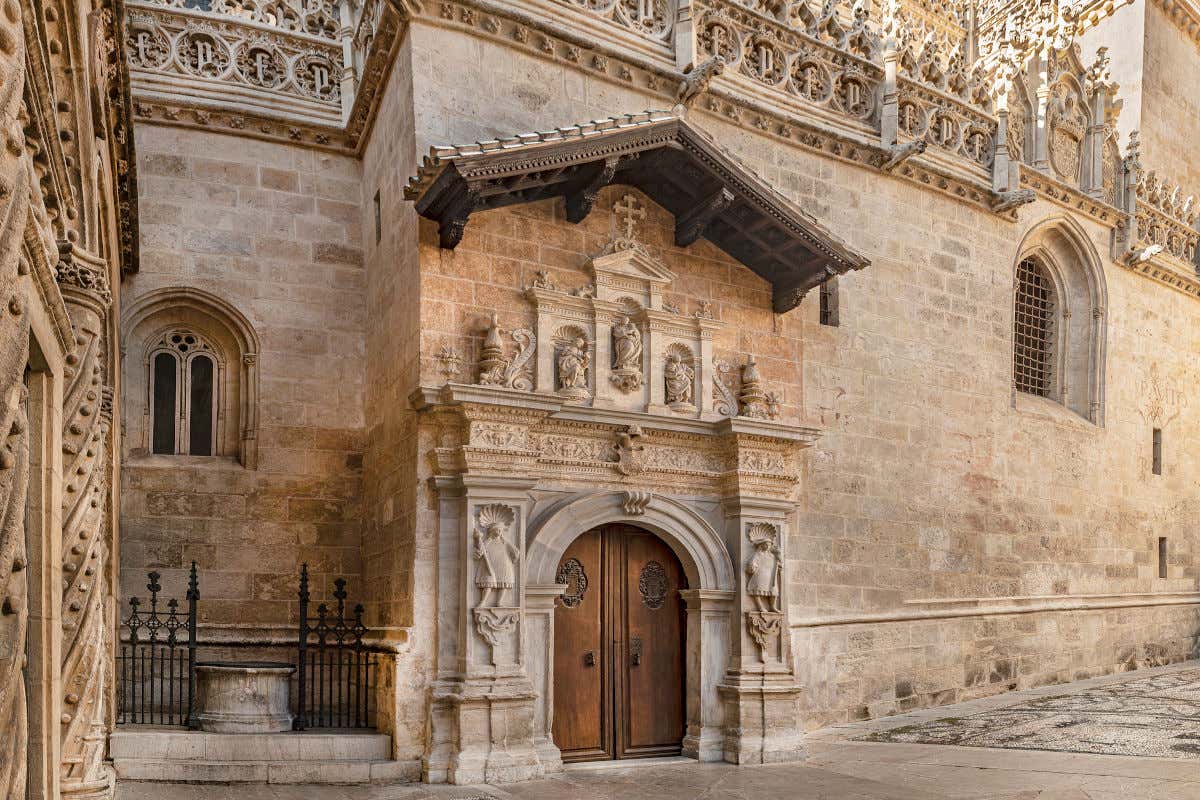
[243,697]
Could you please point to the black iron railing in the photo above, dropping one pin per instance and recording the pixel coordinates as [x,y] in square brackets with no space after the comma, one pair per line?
[335,668]
[156,663]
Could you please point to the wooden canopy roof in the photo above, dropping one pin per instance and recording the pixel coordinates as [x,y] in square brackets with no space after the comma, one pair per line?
[709,192]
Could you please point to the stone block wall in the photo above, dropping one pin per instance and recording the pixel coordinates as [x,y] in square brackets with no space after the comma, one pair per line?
[275,231]
[933,485]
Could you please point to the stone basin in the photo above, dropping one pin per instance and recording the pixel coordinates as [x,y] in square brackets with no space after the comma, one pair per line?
[243,696]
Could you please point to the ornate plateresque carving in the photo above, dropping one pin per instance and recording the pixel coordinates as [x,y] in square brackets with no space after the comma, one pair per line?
[652,585]
[497,370]
[572,574]
[617,345]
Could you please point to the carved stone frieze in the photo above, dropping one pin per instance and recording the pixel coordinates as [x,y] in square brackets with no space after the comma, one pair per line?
[630,458]
[759,457]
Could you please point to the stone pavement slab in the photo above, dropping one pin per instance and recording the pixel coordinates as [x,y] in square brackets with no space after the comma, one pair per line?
[855,762]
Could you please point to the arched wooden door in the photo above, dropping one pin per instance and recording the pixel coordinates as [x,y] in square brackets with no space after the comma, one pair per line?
[619,647]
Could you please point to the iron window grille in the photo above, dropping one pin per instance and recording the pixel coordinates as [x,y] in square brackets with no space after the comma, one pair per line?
[1033,330]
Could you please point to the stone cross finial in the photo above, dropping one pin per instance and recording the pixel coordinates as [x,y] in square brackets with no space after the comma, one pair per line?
[630,212]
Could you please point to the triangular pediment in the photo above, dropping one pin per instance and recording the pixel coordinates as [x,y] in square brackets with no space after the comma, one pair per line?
[627,261]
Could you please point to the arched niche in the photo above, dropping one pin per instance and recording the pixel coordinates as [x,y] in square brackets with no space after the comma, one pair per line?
[235,347]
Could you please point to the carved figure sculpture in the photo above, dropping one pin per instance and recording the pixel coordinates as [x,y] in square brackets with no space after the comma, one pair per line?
[680,381]
[627,344]
[696,80]
[763,570]
[497,556]
[630,460]
[627,355]
[573,362]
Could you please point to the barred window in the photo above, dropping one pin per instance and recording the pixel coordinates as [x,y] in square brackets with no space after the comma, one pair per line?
[1033,330]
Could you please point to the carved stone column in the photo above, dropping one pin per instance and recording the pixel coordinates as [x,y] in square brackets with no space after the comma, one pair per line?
[1041,130]
[87,421]
[1100,88]
[14,485]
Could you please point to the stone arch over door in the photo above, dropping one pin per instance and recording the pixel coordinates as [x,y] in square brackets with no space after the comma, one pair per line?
[710,573]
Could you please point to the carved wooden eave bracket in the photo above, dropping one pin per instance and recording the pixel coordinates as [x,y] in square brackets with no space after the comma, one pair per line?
[708,191]
[486,431]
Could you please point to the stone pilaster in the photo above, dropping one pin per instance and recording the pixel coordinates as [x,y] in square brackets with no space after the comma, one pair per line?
[708,612]
[485,723]
[87,473]
[761,696]
[539,654]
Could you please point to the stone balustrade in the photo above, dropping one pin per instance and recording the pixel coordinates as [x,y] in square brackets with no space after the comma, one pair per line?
[275,59]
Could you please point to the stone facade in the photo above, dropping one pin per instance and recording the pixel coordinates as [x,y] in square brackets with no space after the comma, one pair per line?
[434,373]
[256,245]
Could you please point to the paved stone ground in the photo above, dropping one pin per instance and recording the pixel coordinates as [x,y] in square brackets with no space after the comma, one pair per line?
[889,759]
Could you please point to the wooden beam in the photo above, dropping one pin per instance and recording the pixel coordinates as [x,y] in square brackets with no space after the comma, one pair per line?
[580,201]
[691,225]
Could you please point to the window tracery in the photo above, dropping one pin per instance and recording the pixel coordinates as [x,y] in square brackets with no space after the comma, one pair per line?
[184,380]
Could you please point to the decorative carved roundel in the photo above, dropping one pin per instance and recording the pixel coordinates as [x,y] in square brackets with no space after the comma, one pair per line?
[652,585]
[571,573]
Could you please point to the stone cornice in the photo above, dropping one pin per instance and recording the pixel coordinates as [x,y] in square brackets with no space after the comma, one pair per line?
[184,114]
[1186,16]
[1068,197]
[1160,270]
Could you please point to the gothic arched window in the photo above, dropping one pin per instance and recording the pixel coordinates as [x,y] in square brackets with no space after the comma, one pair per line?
[194,391]
[184,381]
[1058,323]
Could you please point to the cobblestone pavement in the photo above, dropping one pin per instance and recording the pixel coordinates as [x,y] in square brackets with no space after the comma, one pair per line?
[846,762]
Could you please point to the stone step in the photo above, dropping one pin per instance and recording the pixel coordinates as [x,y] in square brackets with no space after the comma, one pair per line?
[146,753]
[151,744]
[279,772]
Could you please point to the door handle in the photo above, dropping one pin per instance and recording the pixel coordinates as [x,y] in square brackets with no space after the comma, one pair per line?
[589,658]
[635,650]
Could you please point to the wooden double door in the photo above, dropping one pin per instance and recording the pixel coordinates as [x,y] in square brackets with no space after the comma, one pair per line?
[619,647]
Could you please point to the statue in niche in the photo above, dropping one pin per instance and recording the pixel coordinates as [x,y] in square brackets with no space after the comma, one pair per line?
[497,556]
[680,380]
[627,355]
[573,362]
[764,569]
